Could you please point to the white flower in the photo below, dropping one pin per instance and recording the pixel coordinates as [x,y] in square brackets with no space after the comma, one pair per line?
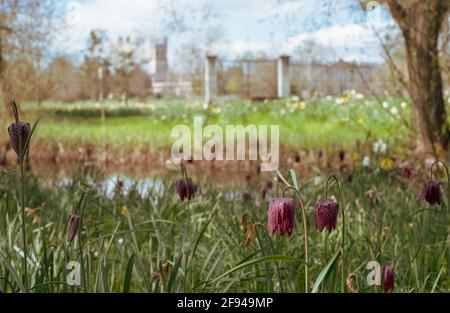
[95,254]
[385,105]
[295,98]
[379,146]
[120,241]
[429,162]
[339,100]
[329,98]
[359,96]
[403,105]
[394,110]
[317,180]
[366,161]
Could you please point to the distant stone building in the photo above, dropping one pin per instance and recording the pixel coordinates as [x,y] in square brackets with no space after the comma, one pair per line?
[259,78]
[165,83]
[159,66]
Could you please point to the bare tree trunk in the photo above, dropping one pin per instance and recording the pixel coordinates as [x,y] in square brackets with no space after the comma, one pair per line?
[421,22]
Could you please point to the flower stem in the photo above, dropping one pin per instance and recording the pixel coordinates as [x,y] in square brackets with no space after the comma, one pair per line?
[448,179]
[24,233]
[305,231]
[83,202]
[333,177]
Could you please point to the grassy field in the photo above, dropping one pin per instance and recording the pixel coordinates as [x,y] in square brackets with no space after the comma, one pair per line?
[140,237]
[156,243]
[312,123]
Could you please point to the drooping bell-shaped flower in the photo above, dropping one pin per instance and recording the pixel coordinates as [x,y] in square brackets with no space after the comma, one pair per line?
[389,278]
[186,189]
[246,197]
[73,225]
[342,155]
[406,172]
[431,193]
[281,215]
[325,214]
[18,132]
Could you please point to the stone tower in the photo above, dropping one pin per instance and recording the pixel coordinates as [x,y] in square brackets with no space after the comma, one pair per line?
[159,67]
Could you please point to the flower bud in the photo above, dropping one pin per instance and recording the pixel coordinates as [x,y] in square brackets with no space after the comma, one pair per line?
[281,215]
[325,214]
[18,135]
[73,225]
[431,193]
[389,278]
[186,189]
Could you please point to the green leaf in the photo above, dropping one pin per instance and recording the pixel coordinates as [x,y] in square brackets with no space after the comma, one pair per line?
[27,143]
[173,273]
[128,275]
[294,178]
[204,229]
[282,178]
[325,272]
[261,260]
[13,272]
[437,279]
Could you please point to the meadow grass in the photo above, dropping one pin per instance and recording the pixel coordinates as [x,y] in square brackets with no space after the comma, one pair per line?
[156,243]
[315,123]
[152,242]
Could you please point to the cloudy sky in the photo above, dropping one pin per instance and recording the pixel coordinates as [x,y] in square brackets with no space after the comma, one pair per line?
[256,26]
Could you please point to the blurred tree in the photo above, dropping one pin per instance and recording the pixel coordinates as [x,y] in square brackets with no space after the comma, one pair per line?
[126,58]
[95,68]
[196,27]
[421,23]
[139,83]
[19,86]
[65,80]
[27,27]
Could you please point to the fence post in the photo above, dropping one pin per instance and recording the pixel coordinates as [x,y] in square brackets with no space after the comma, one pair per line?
[210,79]
[283,81]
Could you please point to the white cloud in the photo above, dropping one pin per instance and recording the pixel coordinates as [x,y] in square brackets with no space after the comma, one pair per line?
[241,22]
[237,49]
[351,42]
[116,17]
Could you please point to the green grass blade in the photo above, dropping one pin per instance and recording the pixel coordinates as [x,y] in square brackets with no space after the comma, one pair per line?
[325,271]
[282,178]
[173,273]
[13,272]
[293,178]
[27,143]
[261,260]
[128,275]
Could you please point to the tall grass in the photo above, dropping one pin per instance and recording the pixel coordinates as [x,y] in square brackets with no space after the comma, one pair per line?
[133,243]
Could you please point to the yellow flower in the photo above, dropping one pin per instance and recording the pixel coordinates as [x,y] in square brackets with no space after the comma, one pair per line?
[302,105]
[386,163]
[123,210]
[347,98]
[344,120]
[360,121]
